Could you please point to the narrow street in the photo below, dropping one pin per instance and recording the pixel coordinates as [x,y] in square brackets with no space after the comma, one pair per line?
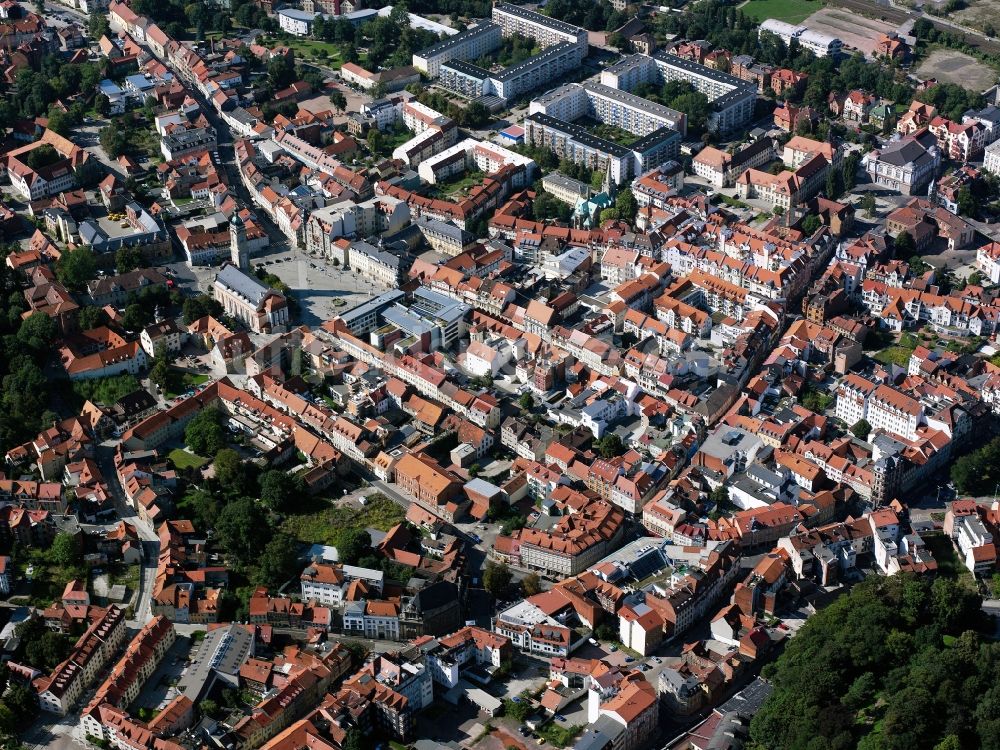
[150,541]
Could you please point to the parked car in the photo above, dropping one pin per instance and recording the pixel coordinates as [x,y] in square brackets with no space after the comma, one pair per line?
[629,659]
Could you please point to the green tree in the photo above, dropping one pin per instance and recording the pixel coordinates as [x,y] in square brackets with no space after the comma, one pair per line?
[160,372]
[353,740]
[65,550]
[241,530]
[834,183]
[610,445]
[811,223]
[338,100]
[497,578]
[135,318]
[198,307]
[526,401]
[279,562]
[626,205]
[76,267]
[376,141]
[861,429]
[720,497]
[278,489]
[202,507]
[965,202]
[37,332]
[60,122]
[91,316]
[102,105]
[904,245]
[208,707]
[233,474]
[353,545]
[868,205]
[46,650]
[114,140]
[127,259]
[98,25]
[531,584]
[204,434]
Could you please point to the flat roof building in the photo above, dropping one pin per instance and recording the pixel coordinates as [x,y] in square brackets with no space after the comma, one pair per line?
[514,19]
[470,44]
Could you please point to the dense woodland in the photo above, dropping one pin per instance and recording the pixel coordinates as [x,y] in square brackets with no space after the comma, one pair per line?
[896,664]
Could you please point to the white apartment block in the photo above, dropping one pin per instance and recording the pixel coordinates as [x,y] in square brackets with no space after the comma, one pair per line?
[610,106]
[991,160]
[988,261]
[326,583]
[514,19]
[467,45]
[554,61]
[419,117]
[485,156]
[882,406]
[732,99]
[296,22]
[970,535]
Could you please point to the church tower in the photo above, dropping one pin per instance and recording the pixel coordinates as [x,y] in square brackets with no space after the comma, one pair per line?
[238,248]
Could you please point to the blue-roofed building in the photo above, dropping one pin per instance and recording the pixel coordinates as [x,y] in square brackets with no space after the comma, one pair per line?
[115,94]
[139,86]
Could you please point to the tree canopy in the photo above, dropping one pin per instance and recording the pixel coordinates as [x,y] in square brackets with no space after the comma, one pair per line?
[889,666]
[204,434]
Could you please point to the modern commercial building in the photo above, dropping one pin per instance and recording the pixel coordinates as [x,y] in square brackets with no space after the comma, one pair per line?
[732,98]
[261,309]
[296,22]
[821,45]
[433,319]
[467,45]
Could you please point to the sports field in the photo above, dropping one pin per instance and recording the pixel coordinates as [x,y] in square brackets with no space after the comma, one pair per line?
[791,11]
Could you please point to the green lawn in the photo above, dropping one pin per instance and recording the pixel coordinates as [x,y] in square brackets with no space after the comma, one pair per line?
[894,355]
[181,382]
[181,459]
[557,734]
[791,11]
[462,184]
[322,523]
[310,49]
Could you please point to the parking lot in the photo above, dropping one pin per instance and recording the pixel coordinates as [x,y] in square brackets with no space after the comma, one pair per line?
[159,688]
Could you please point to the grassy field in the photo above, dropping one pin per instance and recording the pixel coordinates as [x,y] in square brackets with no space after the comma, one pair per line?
[894,355]
[321,523]
[181,459]
[326,53]
[791,11]
[181,382]
[461,184]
